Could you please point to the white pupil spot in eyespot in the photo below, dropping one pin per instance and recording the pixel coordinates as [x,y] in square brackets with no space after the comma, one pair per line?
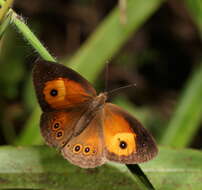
[59,134]
[56,126]
[123,145]
[53,92]
[87,149]
[77,148]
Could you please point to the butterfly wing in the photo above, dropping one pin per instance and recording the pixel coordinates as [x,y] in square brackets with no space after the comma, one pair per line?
[86,149]
[58,87]
[57,128]
[126,140]
[64,97]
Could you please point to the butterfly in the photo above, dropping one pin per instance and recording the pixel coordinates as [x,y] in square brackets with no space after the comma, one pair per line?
[86,129]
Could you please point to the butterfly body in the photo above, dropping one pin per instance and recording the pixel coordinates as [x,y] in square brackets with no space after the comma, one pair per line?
[87,130]
[94,106]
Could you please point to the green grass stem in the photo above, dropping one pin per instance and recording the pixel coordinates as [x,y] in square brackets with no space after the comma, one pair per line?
[4,7]
[195,8]
[30,37]
[186,119]
[4,25]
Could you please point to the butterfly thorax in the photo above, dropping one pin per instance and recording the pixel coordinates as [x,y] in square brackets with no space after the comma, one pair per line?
[98,102]
[94,106]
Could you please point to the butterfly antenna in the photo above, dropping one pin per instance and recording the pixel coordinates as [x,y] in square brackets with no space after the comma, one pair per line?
[121,88]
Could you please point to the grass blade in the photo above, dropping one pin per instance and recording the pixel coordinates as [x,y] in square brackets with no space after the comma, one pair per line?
[185,121]
[175,169]
[4,7]
[41,167]
[30,37]
[110,36]
[4,25]
[195,8]
[31,133]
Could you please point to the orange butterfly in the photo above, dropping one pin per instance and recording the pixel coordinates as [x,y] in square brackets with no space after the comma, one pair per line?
[86,129]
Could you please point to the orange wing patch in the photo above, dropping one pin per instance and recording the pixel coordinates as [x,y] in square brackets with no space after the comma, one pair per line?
[86,149]
[57,127]
[62,93]
[118,135]
[89,139]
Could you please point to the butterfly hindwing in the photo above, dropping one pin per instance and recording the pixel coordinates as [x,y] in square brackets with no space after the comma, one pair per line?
[86,149]
[57,128]
[126,140]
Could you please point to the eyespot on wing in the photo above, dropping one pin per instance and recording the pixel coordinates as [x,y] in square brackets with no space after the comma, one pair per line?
[121,127]
[55,83]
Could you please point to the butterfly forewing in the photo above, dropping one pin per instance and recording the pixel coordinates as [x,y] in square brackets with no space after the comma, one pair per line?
[58,87]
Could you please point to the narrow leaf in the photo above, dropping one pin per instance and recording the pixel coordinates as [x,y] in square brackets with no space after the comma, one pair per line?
[186,119]
[41,167]
[195,8]
[175,169]
[4,7]
[109,37]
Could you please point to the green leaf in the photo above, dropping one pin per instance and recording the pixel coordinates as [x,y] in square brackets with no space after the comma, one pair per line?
[195,8]
[175,169]
[5,24]
[186,119]
[28,35]
[31,133]
[42,167]
[4,7]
